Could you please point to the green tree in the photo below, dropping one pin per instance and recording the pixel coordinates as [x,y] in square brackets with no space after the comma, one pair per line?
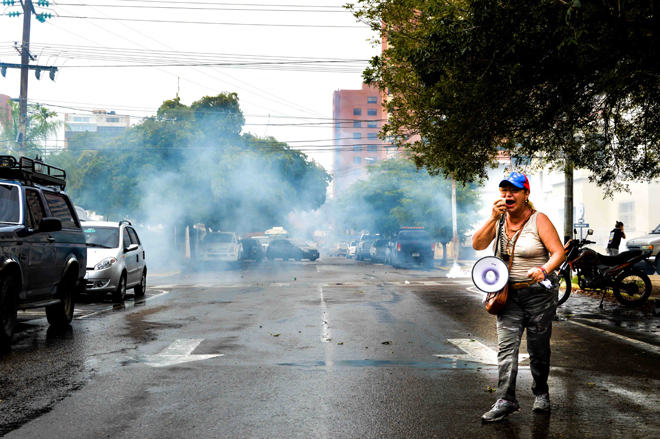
[43,124]
[396,194]
[552,79]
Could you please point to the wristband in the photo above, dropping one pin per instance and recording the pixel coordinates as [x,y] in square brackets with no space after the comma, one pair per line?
[545,273]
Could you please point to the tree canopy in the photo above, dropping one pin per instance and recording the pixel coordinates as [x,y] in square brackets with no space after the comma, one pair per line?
[192,164]
[43,124]
[547,79]
[396,195]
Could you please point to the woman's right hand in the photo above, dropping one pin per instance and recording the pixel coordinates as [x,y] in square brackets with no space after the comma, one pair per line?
[499,207]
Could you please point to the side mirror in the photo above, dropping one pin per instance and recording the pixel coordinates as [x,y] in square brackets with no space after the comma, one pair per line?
[575,231]
[49,224]
[590,232]
[131,248]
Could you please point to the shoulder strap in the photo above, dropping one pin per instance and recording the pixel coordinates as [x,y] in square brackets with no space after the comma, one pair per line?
[516,240]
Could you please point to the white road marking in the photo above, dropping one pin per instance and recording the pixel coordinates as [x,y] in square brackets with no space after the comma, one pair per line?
[178,352]
[163,286]
[280,284]
[127,305]
[325,332]
[476,352]
[641,344]
[201,286]
[163,274]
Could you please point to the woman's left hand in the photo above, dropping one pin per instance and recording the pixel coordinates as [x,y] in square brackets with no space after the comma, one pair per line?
[536,274]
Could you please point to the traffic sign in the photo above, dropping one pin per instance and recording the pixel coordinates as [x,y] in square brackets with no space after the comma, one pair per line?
[581,225]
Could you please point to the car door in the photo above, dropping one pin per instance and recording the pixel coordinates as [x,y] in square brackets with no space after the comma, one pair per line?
[139,253]
[41,252]
[70,241]
[131,259]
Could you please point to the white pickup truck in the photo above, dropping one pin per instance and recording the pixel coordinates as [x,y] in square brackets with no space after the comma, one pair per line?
[648,242]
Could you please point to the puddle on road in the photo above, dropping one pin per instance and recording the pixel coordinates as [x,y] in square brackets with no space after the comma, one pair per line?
[441,363]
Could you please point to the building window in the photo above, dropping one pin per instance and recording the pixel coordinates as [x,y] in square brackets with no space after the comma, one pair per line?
[112,120]
[372,124]
[357,148]
[372,136]
[627,215]
[357,111]
[357,160]
[357,124]
[372,112]
[372,100]
[372,148]
[357,135]
[81,119]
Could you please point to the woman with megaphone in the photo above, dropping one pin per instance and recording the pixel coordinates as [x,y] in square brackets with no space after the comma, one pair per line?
[532,293]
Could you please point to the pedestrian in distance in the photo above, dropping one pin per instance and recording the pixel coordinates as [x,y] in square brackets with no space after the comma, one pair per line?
[615,239]
[533,291]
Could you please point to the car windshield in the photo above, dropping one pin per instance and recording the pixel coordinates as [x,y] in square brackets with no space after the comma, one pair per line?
[218,238]
[369,238]
[380,243]
[416,234]
[299,243]
[107,237]
[656,230]
[261,239]
[9,205]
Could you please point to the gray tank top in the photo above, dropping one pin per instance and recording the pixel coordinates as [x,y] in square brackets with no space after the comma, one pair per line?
[530,251]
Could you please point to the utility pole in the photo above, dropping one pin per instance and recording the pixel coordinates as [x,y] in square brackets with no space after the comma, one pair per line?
[568,199]
[25,61]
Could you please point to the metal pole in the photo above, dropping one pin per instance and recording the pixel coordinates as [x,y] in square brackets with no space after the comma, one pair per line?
[568,201]
[454,220]
[25,60]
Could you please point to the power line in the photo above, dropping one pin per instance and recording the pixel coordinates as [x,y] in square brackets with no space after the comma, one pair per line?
[230,4]
[335,26]
[203,8]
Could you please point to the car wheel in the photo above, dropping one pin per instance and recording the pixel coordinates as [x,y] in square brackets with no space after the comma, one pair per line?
[8,309]
[657,263]
[120,293]
[62,313]
[141,288]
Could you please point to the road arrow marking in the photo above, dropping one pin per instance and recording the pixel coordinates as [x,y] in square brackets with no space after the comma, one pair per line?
[179,352]
[476,352]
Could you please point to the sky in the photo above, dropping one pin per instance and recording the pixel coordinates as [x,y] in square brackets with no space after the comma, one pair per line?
[112,55]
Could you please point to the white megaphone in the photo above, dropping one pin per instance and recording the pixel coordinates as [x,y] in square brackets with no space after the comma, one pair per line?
[490,274]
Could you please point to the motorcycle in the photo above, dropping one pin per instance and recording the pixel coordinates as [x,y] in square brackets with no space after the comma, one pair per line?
[596,272]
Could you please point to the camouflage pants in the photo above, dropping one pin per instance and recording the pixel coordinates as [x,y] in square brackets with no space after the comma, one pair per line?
[534,309]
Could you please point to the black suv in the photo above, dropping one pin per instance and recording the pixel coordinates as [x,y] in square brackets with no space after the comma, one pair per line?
[42,246]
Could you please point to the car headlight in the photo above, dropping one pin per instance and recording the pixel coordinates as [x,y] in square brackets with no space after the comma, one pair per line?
[106,263]
[647,247]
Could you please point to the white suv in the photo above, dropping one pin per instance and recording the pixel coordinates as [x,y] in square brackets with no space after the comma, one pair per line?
[115,259]
[220,246]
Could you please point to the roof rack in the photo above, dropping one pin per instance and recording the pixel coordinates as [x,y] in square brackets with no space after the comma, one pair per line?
[125,222]
[32,171]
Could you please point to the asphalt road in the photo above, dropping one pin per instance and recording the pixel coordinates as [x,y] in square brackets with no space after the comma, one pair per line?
[330,349]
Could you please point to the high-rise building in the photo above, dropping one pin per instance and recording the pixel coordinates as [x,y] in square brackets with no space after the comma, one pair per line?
[100,121]
[358,117]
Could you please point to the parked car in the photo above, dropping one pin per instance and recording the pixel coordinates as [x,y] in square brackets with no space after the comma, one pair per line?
[363,246]
[42,246]
[252,250]
[340,249]
[352,247]
[412,247]
[651,242]
[378,250]
[291,249]
[220,247]
[115,259]
[263,240]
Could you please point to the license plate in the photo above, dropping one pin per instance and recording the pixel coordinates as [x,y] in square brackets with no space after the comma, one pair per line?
[415,255]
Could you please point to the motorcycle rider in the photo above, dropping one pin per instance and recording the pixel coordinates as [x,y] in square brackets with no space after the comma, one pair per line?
[615,239]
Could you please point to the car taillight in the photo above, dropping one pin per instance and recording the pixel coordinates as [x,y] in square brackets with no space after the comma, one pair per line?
[433,246]
[398,246]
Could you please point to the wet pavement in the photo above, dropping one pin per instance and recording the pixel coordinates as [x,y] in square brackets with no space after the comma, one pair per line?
[329,349]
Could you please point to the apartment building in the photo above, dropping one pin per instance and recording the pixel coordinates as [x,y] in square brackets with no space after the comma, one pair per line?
[358,117]
[100,121]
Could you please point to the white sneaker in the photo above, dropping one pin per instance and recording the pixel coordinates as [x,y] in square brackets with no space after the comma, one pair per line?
[542,403]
